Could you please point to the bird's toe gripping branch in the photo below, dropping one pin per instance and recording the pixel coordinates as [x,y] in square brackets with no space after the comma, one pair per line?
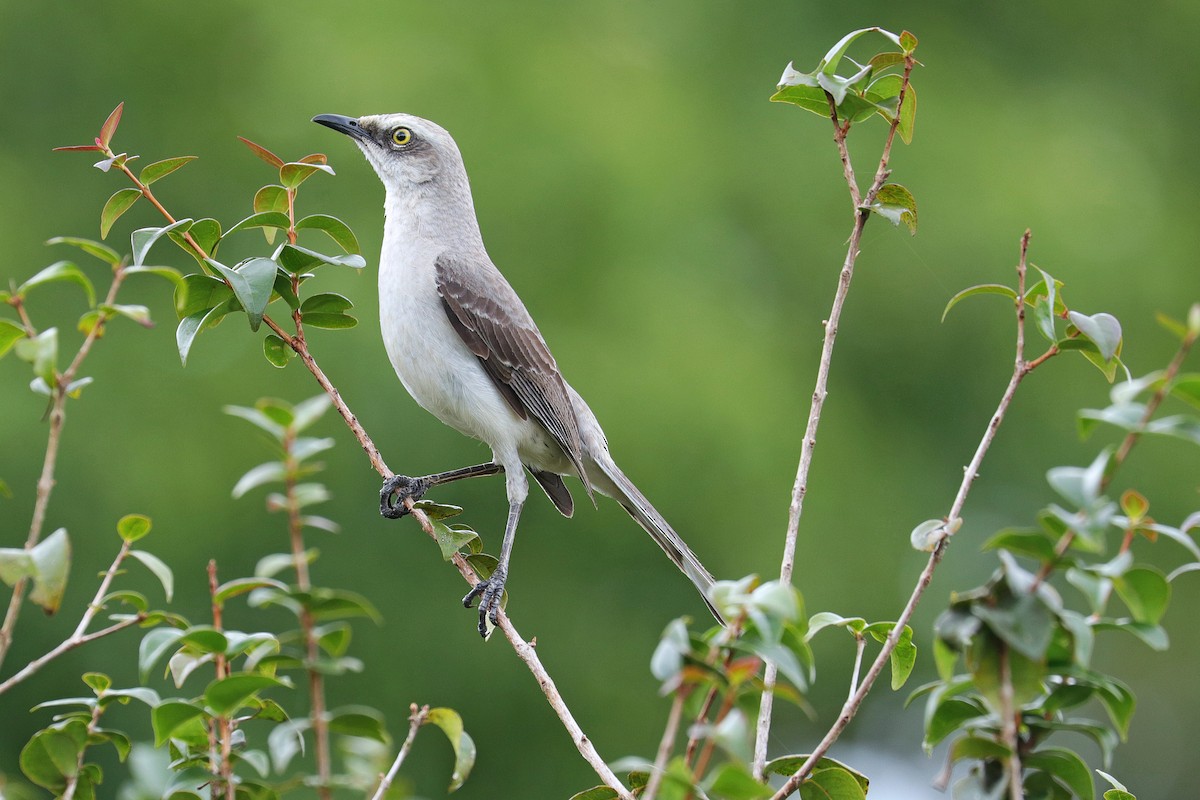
[396,490]
[489,592]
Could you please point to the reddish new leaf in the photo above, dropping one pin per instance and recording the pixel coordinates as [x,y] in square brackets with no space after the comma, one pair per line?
[263,153]
[110,125]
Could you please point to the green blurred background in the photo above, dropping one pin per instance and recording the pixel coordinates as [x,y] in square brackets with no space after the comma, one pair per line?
[678,238]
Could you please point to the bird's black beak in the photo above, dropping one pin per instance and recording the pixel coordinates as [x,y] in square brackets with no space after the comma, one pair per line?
[342,124]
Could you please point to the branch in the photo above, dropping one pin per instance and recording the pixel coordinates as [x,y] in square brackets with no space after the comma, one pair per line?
[862,212]
[78,637]
[1021,368]
[416,720]
[666,745]
[45,484]
[1008,726]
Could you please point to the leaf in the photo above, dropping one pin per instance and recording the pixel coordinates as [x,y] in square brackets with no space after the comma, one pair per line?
[309,411]
[338,231]
[160,570]
[947,717]
[10,334]
[153,647]
[271,198]
[257,418]
[226,695]
[49,758]
[132,527]
[276,351]
[191,326]
[464,748]
[908,114]
[360,721]
[1067,767]
[928,535]
[60,271]
[100,251]
[285,741]
[1102,329]
[451,540]
[120,202]
[896,204]
[1145,592]
[257,476]
[169,717]
[161,169]
[295,258]
[42,352]
[734,782]
[144,238]
[110,125]
[198,292]
[51,562]
[329,302]
[330,321]
[139,314]
[262,219]
[262,152]
[832,784]
[983,288]
[294,173]
[252,281]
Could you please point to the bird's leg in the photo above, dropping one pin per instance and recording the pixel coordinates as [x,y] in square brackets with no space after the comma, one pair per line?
[491,590]
[399,487]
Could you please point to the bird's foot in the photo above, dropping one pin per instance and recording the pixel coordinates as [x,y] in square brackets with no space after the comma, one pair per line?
[394,492]
[489,592]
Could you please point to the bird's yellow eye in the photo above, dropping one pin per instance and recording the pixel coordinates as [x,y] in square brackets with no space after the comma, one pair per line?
[401,136]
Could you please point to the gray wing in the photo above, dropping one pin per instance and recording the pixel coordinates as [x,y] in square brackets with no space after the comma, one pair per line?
[493,322]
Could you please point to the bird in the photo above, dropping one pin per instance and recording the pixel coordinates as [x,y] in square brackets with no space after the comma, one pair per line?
[467,350]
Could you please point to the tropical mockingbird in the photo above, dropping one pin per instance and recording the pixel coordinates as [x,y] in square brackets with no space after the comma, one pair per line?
[468,352]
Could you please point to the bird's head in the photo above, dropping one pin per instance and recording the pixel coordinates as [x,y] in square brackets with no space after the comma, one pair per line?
[402,148]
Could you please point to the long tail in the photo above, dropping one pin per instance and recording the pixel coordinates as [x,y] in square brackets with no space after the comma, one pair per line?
[653,523]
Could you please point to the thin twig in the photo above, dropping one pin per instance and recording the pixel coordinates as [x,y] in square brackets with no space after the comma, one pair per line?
[1020,370]
[415,720]
[316,681]
[73,780]
[860,644]
[68,644]
[1008,725]
[862,213]
[45,484]
[670,732]
[224,726]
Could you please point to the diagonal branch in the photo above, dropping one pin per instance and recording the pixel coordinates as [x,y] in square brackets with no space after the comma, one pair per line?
[862,212]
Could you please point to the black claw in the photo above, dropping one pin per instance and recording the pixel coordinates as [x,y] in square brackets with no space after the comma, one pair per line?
[489,592]
[395,490]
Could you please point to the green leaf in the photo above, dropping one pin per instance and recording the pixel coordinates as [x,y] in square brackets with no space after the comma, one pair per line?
[10,334]
[451,540]
[252,281]
[276,351]
[153,647]
[928,535]
[120,202]
[295,258]
[734,782]
[98,681]
[49,758]
[338,231]
[100,251]
[896,204]
[262,152]
[51,563]
[258,418]
[161,169]
[139,314]
[360,721]
[285,741]
[144,238]
[190,326]
[262,219]
[203,639]
[60,271]
[42,352]
[257,476]
[1146,593]
[170,717]
[1031,542]
[198,293]
[15,565]
[464,748]
[1102,329]
[908,115]
[160,570]
[309,411]
[825,619]
[983,288]
[948,716]
[596,793]
[294,173]
[226,695]
[1044,307]
[132,527]
[330,321]
[271,198]
[832,784]
[1067,767]
[904,654]
[977,748]
[328,302]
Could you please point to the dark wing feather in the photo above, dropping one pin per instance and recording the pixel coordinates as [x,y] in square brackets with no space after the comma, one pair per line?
[493,322]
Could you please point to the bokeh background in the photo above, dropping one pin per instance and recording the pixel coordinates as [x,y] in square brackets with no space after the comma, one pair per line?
[678,239]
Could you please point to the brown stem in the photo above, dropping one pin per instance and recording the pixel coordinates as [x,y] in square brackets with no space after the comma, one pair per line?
[862,213]
[73,780]
[1008,725]
[1020,370]
[45,484]
[706,753]
[667,744]
[316,681]
[224,733]
[415,720]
